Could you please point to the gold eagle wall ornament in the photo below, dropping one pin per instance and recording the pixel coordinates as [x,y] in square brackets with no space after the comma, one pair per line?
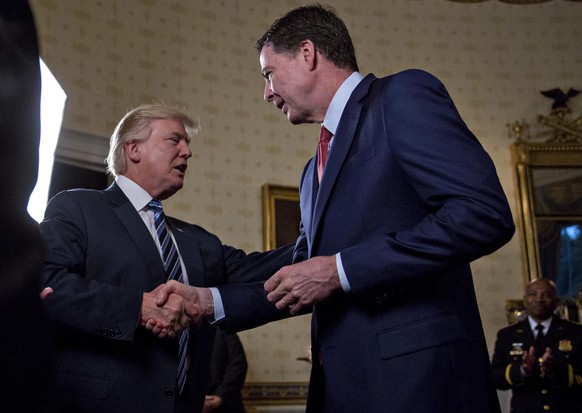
[560,126]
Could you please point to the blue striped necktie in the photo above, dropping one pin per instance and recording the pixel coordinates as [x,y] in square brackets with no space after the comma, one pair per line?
[173,267]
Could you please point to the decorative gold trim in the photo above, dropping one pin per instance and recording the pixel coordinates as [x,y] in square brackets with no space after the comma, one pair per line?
[525,156]
[514,311]
[524,1]
[508,375]
[506,1]
[510,1]
[271,194]
[274,394]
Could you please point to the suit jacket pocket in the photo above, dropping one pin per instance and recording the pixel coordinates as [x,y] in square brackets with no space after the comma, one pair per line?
[83,386]
[409,338]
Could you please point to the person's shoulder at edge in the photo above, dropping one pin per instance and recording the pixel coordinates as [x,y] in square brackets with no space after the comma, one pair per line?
[413,75]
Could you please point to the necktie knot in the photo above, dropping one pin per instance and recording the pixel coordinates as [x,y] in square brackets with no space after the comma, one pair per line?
[322,150]
[324,135]
[540,331]
[155,205]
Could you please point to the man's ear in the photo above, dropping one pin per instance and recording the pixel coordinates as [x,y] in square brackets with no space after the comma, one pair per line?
[308,52]
[133,150]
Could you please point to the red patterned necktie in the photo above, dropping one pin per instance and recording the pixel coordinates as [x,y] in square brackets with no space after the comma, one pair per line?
[322,150]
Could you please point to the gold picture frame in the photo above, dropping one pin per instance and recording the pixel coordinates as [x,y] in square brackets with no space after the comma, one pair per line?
[281,215]
[555,160]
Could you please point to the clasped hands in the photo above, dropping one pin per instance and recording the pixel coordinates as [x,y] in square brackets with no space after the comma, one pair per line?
[546,362]
[173,306]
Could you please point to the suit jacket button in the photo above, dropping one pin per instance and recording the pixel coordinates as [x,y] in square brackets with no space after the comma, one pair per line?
[544,391]
[169,394]
[546,408]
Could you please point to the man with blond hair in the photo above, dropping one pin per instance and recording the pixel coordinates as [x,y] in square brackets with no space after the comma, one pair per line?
[107,253]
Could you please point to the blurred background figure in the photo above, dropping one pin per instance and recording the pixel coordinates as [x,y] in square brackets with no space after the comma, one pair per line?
[25,343]
[227,376]
[540,357]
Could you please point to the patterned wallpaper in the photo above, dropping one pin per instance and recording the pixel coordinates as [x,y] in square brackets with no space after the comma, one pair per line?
[494,57]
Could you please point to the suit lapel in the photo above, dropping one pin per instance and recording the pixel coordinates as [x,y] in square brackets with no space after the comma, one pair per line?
[146,246]
[136,229]
[307,198]
[342,141]
[189,251]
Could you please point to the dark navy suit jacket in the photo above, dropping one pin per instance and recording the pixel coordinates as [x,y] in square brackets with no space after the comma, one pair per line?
[409,198]
[100,259]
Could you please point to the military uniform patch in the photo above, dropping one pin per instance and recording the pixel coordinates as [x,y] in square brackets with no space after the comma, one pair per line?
[516,349]
[565,345]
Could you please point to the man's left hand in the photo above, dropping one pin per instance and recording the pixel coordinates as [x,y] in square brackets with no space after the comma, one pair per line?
[547,363]
[304,284]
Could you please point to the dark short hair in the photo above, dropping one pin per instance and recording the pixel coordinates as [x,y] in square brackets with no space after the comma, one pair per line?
[317,23]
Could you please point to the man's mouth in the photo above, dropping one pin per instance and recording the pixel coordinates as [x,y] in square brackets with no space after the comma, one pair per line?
[281,106]
[181,168]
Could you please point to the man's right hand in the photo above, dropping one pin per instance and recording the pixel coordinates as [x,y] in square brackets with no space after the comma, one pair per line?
[167,319]
[200,301]
[197,303]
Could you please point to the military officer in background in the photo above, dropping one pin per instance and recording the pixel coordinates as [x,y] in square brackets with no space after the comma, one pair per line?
[540,358]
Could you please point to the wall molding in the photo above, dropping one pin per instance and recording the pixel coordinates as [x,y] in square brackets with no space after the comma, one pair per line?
[82,149]
[257,394]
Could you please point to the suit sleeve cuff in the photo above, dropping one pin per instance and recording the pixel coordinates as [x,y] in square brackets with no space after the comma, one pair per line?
[342,274]
[218,306]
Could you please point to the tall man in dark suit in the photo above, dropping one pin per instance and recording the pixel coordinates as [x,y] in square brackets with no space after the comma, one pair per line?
[540,358]
[104,262]
[407,199]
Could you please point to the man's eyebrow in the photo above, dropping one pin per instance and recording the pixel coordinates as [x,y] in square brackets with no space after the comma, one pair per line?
[179,134]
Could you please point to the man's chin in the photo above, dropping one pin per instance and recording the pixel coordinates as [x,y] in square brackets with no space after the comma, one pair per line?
[294,120]
[171,191]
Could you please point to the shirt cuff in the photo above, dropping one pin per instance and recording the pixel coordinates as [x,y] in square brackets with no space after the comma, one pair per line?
[218,306]
[342,274]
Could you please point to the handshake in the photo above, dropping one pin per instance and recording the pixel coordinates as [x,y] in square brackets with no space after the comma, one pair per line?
[170,308]
[173,306]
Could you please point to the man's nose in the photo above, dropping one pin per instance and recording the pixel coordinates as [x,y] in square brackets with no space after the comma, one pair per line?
[268,95]
[185,151]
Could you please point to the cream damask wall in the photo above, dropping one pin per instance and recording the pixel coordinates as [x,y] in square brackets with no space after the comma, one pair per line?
[113,55]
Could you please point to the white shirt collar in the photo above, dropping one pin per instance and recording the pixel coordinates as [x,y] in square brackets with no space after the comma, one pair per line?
[138,196]
[339,101]
[533,323]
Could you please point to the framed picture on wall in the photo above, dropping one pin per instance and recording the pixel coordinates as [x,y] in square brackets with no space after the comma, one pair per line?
[281,215]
